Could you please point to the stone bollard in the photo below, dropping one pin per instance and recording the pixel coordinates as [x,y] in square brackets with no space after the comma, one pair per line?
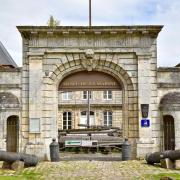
[126,150]
[54,151]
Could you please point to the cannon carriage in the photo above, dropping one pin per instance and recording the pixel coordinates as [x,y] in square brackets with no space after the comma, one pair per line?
[93,137]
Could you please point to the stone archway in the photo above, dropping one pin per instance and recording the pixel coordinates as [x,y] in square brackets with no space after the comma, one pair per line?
[8,100]
[170,112]
[130,104]
[9,119]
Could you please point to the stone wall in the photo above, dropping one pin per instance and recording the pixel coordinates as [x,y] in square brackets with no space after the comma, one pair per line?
[98,116]
[169,99]
[97,98]
[10,99]
[76,104]
[128,53]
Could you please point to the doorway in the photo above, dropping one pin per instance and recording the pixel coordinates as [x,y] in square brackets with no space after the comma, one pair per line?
[169,133]
[83,118]
[12,134]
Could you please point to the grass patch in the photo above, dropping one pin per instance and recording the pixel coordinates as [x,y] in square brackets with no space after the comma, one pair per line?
[174,176]
[23,176]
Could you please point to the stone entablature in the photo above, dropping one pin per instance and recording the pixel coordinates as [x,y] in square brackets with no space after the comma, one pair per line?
[96,37]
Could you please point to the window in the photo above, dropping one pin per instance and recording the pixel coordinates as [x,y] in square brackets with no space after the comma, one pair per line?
[84,113]
[108,118]
[67,95]
[107,95]
[67,120]
[84,116]
[85,94]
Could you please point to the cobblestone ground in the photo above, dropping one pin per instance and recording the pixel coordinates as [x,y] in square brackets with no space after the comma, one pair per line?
[90,170]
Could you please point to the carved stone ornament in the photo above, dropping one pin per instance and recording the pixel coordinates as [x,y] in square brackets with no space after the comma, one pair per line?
[145,110]
[89,53]
[88,62]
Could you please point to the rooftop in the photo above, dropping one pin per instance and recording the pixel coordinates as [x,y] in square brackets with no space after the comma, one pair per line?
[5,58]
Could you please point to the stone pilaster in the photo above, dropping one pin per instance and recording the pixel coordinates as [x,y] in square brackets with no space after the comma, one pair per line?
[145,143]
[36,143]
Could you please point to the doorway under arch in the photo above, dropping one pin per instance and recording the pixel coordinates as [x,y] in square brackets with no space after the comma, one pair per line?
[83,118]
[12,133]
[169,132]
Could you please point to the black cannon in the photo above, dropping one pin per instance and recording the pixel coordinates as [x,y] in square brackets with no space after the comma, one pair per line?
[10,157]
[155,157]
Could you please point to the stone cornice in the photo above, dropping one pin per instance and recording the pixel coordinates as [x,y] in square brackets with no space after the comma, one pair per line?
[168,85]
[170,108]
[11,69]
[168,69]
[35,54]
[92,105]
[27,31]
[7,86]
[97,51]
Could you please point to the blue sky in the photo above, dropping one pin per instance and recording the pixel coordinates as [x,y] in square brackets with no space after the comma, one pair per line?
[105,12]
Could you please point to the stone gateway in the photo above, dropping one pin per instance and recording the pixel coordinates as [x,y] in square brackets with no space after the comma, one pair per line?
[117,64]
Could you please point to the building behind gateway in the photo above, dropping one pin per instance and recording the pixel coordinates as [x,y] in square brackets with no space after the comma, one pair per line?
[118,64]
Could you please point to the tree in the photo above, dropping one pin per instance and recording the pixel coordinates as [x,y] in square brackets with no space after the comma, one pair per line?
[52,22]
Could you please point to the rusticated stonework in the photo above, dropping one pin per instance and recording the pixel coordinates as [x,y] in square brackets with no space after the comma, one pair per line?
[126,53]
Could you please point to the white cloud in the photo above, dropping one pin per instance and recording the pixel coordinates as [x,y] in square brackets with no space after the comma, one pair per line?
[105,12]
[169,46]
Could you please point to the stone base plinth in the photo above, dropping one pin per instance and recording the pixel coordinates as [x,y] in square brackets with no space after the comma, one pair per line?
[39,150]
[143,148]
[167,163]
[177,164]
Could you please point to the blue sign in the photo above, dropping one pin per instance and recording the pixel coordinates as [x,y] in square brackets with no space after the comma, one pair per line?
[145,123]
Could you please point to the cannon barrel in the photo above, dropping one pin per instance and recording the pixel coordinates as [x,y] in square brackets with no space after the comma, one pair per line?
[29,160]
[155,157]
[152,158]
[172,154]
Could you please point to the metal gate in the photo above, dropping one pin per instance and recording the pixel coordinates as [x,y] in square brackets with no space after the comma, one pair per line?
[12,134]
[169,133]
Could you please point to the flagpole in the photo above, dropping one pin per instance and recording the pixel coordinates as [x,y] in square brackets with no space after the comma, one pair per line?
[89,13]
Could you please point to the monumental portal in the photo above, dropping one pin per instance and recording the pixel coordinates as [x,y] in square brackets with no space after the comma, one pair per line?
[122,59]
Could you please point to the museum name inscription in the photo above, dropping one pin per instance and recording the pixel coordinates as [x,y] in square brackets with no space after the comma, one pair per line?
[89,83]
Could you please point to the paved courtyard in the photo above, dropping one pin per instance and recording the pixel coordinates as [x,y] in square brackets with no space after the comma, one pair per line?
[90,170]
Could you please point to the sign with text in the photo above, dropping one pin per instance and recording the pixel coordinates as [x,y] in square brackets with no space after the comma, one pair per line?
[145,122]
[89,143]
[85,80]
[72,143]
